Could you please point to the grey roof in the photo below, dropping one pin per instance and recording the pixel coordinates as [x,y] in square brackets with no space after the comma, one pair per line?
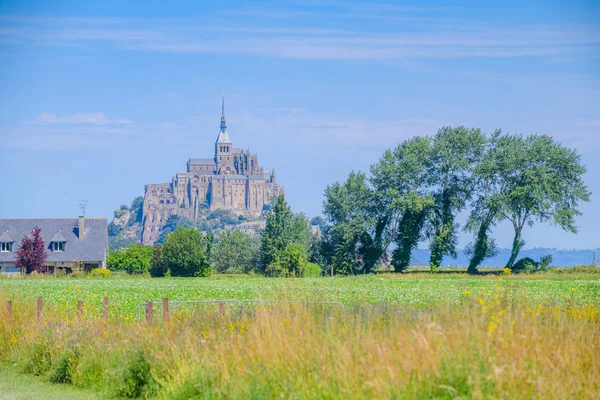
[237,150]
[92,247]
[202,161]
[229,177]
[58,237]
[256,177]
[6,238]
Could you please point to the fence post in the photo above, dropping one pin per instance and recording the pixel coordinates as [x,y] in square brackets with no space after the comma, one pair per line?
[39,309]
[149,313]
[105,308]
[221,309]
[165,309]
[79,308]
[9,308]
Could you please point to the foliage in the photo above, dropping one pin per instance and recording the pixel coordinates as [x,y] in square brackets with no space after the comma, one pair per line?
[528,264]
[158,267]
[533,179]
[455,153]
[318,221]
[135,378]
[311,270]
[345,207]
[234,252]
[99,273]
[186,252]
[282,229]
[401,181]
[134,259]
[173,223]
[31,254]
[137,209]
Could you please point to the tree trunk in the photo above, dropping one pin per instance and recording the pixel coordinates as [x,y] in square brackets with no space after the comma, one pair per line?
[516,247]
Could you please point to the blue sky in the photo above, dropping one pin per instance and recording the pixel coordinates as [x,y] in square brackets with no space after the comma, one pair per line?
[99,98]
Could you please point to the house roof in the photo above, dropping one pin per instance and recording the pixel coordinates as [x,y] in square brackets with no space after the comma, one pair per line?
[92,247]
[5,237]
[58,237]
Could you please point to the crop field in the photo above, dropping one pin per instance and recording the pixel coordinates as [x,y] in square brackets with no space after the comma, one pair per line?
[410,336]
[413,291]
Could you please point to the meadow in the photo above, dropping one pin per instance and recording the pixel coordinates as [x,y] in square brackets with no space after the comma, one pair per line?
[405,336]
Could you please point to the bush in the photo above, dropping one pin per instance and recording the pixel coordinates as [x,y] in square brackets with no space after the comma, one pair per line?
[99,273]
[186,252]
[528,265]
[311,270]
[523,264]
[135,259]
[64,367]
[135,378]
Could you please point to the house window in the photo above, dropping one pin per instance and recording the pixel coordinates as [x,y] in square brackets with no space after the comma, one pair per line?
[58,246]
[6,247]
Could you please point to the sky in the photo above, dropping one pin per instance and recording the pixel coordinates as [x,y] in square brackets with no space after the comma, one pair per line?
[99,98]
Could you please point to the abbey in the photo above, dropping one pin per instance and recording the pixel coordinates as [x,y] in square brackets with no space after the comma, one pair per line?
[231,180]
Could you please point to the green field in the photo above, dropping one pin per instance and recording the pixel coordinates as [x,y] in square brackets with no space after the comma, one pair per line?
[446,336]
[413,290]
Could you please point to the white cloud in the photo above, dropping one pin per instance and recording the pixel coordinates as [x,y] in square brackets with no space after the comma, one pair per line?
[97,118]
[436,39]
[594,123]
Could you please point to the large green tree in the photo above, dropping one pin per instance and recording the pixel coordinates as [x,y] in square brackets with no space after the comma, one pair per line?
[346,207]
[186,252]
[235,252]
[534,179]
[401,198]
[455,152]
[283,228]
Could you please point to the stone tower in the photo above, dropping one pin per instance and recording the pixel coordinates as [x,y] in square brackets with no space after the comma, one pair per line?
[223,147]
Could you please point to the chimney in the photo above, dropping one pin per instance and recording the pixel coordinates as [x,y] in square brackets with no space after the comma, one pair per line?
[81,231]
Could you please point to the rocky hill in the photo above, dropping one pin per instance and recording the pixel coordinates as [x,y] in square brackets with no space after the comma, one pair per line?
[126,226]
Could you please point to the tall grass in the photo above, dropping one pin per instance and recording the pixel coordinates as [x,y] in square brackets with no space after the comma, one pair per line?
[493,346]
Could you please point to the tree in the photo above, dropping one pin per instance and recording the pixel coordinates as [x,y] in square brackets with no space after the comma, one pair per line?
[31,255]
[534,179]
[185,252]
[282,228]
[133,259]
[318,221]
[137,209]
[235,252]
[401,182]
[346,209]
[158,267]
[455,152]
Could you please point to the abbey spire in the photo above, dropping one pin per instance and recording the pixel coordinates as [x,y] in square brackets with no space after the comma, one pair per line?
[223,136]
[223,122]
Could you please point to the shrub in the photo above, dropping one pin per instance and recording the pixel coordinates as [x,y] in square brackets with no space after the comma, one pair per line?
[523,264]
[311,270]
[135,379]
[506,271]
[134,259]
[40,359]
[99,273]
[64,367]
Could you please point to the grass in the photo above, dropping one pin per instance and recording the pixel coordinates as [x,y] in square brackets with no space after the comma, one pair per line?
[403,337]
[16,386]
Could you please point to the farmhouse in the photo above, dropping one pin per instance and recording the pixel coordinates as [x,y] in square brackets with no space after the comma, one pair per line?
[69,242]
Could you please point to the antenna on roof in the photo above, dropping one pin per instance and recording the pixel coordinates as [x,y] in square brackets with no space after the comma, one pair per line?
[82,205]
